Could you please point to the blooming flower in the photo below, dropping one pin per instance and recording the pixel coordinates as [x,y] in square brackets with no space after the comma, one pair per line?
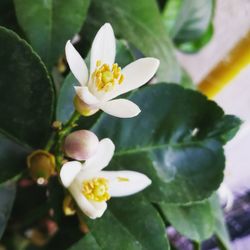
[107,80]
[91,187]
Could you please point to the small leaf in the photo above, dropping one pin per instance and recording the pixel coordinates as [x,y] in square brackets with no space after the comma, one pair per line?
[227,128]
[189,22]
[26,93]
[49,24]
[195,45]
[171,141]
[195,221]
[141,24]
[7,196]
[65,107]
[220,228]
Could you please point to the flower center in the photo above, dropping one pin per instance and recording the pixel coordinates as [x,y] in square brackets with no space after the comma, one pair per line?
[105,77]
[96,189]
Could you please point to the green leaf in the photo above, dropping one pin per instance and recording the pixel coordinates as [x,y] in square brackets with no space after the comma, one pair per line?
[130,223]
[87,243]
[141,24]
[186,80]
[26,93]
[220,231]
[65,107]
[12,158]
[49,24]
[194,221]
[7,196]
[189,22]
[197,44]
[171,141]
[227,128]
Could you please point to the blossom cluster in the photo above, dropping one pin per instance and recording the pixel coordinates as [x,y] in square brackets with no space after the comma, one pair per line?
[90,185]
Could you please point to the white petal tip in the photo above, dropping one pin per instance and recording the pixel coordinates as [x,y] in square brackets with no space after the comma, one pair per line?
[108,145]
[68,47]
[155,63]
[124,183]
[97,212]
[69,171]
[107,26]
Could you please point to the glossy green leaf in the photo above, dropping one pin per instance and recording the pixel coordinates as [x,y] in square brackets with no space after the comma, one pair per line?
[140,23]
[12,158]
[227,128]
[220,231]
[87,243]
[189,22]
[195,45]
[49,24]
[26,93]
[65,107]
[8,16]
[7,196]
[186,80]
[130,223]
[171,141]
[195,221]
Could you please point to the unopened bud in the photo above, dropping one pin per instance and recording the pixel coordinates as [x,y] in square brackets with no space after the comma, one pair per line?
[81,144]
[41,165]
[68,206]
[83,108]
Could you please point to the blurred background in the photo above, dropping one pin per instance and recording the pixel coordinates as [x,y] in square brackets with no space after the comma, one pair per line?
[226,61]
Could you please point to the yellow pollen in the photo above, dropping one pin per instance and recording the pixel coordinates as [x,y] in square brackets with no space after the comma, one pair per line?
[96,189]
[105,77]
[122,179]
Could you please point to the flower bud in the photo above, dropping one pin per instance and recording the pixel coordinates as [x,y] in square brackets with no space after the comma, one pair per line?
[68,206]
[41,165]
[83,108]
[81,144]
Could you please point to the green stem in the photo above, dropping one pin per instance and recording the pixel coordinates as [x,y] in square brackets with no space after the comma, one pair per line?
[196,245]
[60,137]
[50,142]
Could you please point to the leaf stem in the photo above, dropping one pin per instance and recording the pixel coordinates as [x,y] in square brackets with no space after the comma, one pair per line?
[50,142]
[196,245]
[60,137]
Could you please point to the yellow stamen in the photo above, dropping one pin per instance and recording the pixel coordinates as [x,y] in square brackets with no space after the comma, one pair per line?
[96,189]
[122,179]
[105,77]
[98,63]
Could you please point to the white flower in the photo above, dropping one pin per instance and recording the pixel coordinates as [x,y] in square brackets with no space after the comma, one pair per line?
[106,80]
[91,187]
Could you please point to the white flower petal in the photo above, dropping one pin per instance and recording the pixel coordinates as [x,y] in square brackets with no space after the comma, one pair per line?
[121,108]
[69,171]
[100,207]
[226,197]
[86,96]
[76,64]
[123,183]
[99,160]
[135,75]
[88,207]
[103,47]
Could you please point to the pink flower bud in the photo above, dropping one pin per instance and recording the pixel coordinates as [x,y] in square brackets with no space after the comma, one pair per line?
[81,145]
